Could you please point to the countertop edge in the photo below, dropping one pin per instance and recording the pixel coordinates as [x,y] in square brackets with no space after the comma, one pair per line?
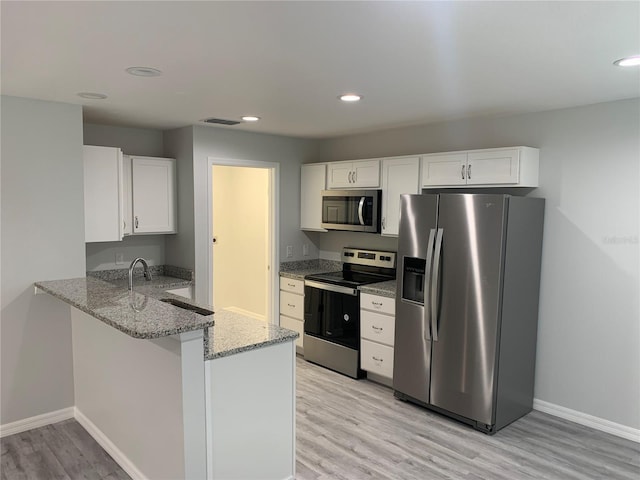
[253,346]
[107,321]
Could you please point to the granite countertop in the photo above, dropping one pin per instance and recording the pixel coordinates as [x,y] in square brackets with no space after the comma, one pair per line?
[299,269]
[111,302]
[383,289]
[234,333]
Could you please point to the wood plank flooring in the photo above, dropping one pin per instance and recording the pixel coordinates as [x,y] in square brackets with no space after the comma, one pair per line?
[356,430]
[61,451]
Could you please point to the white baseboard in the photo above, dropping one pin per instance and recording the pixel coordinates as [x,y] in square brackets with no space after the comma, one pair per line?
[246,313]
[587,420]
[36,422]
[120,458]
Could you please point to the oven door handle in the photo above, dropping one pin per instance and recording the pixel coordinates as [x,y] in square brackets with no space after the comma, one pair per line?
[332,288]
[360,210]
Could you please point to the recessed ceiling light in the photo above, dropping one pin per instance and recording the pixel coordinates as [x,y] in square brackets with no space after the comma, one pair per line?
[349,97]
[92,95]
[250,118]
[632,61]
[144,71]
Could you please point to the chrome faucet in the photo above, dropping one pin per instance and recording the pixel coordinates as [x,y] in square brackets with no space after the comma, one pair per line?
[147,273]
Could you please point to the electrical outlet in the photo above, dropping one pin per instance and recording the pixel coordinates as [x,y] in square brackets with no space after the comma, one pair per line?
[119,258]
[289,251]
[305,249]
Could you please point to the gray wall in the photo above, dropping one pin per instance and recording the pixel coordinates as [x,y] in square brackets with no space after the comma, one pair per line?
[180,248]
[589,333]
[42,239]
[132,141]
[237,145]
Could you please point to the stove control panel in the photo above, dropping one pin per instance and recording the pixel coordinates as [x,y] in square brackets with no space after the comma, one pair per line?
[374,258]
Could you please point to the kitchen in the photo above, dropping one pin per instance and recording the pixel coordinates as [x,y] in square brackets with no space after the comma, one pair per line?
[589,262]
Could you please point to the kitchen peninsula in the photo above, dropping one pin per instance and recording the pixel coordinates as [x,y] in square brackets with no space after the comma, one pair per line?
[173,393]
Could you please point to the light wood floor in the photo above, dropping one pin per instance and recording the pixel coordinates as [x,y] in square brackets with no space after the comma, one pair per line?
[355,430]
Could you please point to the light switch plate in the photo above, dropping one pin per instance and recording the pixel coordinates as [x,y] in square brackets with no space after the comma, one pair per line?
[305,249]
[119,258]
[289,251]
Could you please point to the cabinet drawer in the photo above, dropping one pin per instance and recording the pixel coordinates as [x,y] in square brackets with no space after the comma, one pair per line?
[292,305]
[292,285]
[376,358]
[295,325]
[377,327]
[378,304]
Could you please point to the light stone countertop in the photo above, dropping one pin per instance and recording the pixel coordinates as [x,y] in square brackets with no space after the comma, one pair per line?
[383,289]
[112,304]
[234,333]
[299,269]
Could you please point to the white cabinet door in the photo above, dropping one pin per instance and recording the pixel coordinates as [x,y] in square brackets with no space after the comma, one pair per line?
[339,175]
[366,173]
[356,174]
[313,179]
[103,191]
[493,167]
[127,209]
[444,169]
[399,175]
[154,195]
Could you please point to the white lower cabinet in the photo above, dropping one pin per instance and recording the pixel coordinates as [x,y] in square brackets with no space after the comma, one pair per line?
[292,307]
[377,331]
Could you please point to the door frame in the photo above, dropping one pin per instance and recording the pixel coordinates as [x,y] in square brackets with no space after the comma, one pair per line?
[273,301]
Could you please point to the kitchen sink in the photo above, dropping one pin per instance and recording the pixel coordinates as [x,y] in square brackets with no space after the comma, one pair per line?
[186,306]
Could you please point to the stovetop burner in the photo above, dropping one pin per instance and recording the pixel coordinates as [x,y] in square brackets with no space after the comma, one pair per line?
[360,267]
[348,278]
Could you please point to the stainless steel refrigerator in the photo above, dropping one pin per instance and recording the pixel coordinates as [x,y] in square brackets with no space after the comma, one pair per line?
[467,305]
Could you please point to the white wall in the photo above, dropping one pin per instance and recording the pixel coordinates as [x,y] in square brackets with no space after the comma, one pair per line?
[589,327]
[132,141]
[190,249]
[240,225]
[42,239]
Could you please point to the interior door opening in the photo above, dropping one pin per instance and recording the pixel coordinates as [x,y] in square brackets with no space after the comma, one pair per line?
[241,243]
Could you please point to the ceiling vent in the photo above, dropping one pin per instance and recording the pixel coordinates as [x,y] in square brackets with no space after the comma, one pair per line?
[221,121]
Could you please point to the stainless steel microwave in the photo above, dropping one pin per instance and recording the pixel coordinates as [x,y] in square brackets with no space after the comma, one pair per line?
[353,210]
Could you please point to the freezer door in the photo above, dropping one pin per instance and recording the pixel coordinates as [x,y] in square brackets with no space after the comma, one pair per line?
[412,351]
[464,354]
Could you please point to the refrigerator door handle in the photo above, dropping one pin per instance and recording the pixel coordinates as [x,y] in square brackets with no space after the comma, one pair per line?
[434,285]
[427,275]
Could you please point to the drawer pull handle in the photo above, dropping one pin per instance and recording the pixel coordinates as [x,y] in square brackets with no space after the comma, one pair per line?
[379,329]
[291,305]
[377,304]
[376,359]
[291,284]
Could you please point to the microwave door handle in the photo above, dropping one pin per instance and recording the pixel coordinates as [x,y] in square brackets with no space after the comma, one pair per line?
[360,210]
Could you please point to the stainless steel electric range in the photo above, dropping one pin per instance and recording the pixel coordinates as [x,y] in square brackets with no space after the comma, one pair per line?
[332,308]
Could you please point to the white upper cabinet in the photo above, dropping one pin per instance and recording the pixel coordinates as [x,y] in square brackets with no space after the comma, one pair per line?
[399,175]
[313,179]
[127,209]
[103,194]
[444,169]
[154,195]
[356,174]
[513,166]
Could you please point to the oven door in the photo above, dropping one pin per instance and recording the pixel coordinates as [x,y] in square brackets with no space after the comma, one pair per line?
[332,313]
[354,210]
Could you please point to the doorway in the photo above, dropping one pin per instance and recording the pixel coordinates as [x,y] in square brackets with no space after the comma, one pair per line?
[243,233]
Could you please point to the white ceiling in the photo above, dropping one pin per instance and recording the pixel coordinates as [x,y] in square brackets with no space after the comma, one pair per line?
[413,62]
